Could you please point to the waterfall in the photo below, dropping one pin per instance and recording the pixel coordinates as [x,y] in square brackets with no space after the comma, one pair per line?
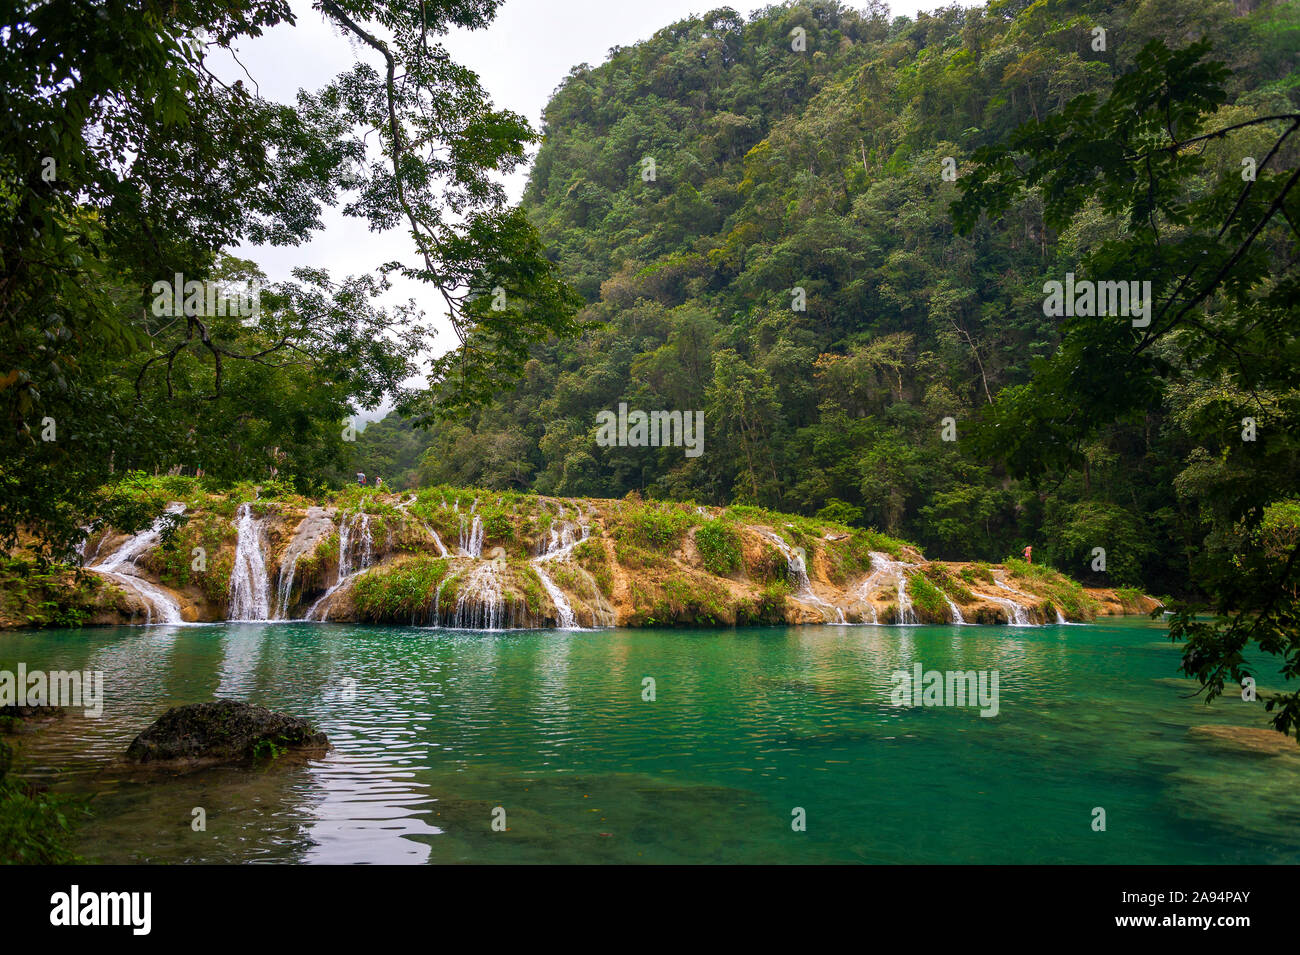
[249,597]
[957,618]
[354,532]
[563,609]
[1017,616]
[479,604]
[906,615]
[882,565]
[798,574]
[442,550]
[471,535]
[436,616]
[305,538]
[558,547]
[120,566]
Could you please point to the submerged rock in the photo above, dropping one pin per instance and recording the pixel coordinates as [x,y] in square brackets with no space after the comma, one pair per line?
[224,731]
[1246,739]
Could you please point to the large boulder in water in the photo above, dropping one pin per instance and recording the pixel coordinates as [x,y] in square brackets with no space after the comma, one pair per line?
[225,731]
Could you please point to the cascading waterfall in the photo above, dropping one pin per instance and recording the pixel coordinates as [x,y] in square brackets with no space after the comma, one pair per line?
[435,618]
[304,539]
[957,618]
[1017,615]
[906,615]
[798,574]
[442,550]
[471,531]
[120,565]
[558,547]
[884,566]
[479,604]
[354,533]
[249,590]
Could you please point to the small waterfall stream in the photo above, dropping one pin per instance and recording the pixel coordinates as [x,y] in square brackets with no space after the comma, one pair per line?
[479,604]
[249,586]
[559,546]
[1017,614]
[883,566]
[471,531]
[957,619]
[442,550]
[120,565]
[310,529]
[798,574]
[354,534]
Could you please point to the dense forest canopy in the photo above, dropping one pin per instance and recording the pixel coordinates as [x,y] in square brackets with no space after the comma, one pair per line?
[824,171]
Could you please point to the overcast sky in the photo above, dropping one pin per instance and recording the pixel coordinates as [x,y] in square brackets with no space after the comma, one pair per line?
[520,59]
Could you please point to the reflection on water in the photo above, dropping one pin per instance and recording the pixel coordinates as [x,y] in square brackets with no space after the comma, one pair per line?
[433,729]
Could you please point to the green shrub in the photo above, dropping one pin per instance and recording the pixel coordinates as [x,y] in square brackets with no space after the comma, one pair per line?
[927,599]
[399,592]
[658,527]
[943,578]
[719,547]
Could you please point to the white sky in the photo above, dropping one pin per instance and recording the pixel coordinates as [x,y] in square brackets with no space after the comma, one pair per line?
[520,60]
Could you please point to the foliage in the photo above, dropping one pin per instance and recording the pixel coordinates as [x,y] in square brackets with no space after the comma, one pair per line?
[122,171]
[822,171]
[719,547]
[655,526]
[399,592]
[1158,160]
[927,599]
[35,827]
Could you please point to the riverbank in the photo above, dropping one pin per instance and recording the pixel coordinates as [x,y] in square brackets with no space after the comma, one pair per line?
[488,560]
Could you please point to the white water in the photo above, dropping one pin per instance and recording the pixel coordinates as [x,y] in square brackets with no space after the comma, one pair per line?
[442,550]
[558,547]
[957,618]
[1017,615]
[882,566]
[471,531]
[249,589]
[120,566]
[353,532]
[479,604]
[435,618]
[284,591]
[303,540]
[798,574]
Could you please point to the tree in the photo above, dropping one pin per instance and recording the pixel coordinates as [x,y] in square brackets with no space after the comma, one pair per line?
[127,161]
[1219,249]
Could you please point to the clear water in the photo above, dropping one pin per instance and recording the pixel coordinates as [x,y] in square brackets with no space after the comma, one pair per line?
[441,727]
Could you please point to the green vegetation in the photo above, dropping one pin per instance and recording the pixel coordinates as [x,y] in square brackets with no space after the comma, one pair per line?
[719,547]
[1058,590]
[101,372]
[54,596]
[35,827]
[399,592]
[950,584]
[927,599]
[653,525]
